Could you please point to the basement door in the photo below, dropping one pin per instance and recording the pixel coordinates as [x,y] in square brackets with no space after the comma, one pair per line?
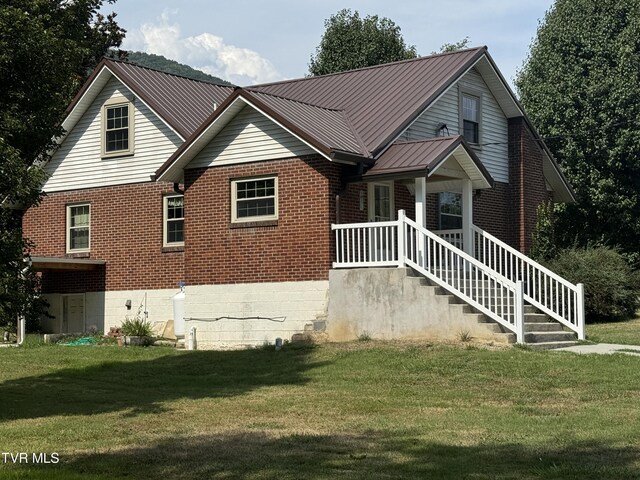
[72,318]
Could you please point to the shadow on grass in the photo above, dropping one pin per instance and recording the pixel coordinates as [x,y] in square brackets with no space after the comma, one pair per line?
[371,455]
[141,385]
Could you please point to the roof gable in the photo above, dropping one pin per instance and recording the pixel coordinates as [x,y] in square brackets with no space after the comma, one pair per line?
[181,103]
[296,118]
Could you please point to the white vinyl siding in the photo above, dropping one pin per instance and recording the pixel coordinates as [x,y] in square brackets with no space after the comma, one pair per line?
[493,151]
[250,137]
[78,163]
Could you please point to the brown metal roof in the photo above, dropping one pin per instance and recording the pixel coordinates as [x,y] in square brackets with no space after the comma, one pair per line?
[421,157]
[380,101]
[328,126]
[181,102]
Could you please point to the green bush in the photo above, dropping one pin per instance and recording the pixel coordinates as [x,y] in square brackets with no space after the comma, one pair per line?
[611,286]
[136,327]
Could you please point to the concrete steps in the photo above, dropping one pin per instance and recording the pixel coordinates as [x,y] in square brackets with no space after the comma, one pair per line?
[541,332]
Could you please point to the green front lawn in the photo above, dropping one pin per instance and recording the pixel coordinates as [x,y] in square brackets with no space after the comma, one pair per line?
[363,410]
[627,333]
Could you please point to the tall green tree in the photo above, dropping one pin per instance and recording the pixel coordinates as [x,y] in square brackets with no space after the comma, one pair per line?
[350,41]
[581,87]
[47,49]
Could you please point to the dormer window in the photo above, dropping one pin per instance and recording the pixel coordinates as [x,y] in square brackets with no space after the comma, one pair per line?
[470,117]
[117,127]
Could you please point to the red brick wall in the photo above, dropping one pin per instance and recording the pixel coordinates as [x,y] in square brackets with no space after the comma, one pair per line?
[493,211]
[126,232]
[528,189]
[299,248]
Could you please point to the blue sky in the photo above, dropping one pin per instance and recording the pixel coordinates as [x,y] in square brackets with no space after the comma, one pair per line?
[253,42]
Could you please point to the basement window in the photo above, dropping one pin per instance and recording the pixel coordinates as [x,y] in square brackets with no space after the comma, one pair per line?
[254,199]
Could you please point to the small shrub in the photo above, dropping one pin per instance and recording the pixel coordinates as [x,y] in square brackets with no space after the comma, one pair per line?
[364,337]
[611,286]
[136,327]
[464,336]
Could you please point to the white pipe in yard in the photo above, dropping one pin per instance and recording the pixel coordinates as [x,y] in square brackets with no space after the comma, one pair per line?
[191,345]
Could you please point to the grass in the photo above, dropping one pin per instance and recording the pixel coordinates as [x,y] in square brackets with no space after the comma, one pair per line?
[363,410]
[626,333]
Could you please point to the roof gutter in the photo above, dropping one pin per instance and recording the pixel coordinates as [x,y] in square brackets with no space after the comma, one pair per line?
[351,157]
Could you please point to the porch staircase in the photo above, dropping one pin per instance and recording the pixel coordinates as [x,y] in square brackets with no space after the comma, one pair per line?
[509,292]
[541,331]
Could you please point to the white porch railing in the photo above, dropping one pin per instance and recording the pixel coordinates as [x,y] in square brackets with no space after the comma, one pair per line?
[403,242]
[366,244]
[548,292]
[454,237]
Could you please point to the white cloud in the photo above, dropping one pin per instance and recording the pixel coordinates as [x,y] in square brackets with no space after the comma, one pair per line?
[206,52]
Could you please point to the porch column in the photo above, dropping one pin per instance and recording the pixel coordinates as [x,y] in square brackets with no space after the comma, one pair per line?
[467,216]
[421,215]
[421,201]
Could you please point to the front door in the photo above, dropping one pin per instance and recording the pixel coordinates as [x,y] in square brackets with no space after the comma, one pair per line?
[72,319]
[381,210]
[381,202]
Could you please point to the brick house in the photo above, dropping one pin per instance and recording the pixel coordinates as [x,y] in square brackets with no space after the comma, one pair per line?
[255,196]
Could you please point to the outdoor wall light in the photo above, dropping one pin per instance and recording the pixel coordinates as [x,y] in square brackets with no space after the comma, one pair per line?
[128,304]
[442,127]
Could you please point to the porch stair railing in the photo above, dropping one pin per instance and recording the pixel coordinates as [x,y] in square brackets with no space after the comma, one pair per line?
[404,243]
[548,292]
[496,280]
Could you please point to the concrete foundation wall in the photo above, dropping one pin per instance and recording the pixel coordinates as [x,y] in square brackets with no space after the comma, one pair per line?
[386,303]
[104,310]
[284,307]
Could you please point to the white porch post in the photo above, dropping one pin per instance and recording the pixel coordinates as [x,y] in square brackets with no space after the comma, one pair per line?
[467,217]
[421,201]
[421,214]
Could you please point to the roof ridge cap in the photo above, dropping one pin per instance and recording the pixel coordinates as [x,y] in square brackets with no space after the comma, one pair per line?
[372,67]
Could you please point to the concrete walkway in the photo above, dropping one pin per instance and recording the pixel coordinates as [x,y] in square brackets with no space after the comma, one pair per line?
[602,349]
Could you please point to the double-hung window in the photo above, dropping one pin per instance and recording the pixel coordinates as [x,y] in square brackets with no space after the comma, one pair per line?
[450,210]
[117,127]
[78,228]
[254,199]
[173,221]
[470,113]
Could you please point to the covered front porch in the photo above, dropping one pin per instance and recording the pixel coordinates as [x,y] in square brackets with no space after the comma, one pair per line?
[475,266]
[444,168]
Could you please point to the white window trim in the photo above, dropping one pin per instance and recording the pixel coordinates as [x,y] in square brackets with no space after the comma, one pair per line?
[371,200]
[68,234]
[165,221]
[117,102]
[234,200]
[468,92]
